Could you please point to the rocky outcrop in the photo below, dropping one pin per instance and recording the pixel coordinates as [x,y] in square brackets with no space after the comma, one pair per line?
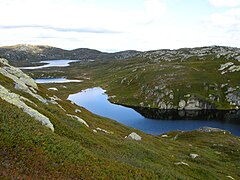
[186,54]
[22,81]
[193,156]
[181,163]
[17,75]
[229,68]
[210,130]
[164,136]
[165,98]
[194,103]
[78,119]
[234,98]
[182,104]
[226,65]
[134,136]
[17,100]
[103,130]
[77,111]
[53,89]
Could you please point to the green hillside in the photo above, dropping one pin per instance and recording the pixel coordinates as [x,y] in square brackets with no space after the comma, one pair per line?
[85,146]
[199,78]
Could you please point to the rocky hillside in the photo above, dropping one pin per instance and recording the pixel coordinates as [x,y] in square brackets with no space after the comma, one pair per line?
[197,78]
[191,79]
[43,136]
[26,54]
[186,54]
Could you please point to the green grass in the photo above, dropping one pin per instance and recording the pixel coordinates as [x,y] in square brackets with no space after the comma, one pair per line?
[30,150]
[133,81]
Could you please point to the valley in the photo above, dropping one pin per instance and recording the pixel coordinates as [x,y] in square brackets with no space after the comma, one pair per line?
[200,78]
[41,129]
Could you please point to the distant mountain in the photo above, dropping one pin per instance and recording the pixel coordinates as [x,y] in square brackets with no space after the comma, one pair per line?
[24,54]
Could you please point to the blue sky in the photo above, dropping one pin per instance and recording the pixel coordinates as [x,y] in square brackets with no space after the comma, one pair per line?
[113,25]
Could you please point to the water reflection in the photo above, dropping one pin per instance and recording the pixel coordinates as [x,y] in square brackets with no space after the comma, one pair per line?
[155,121]
[232,116]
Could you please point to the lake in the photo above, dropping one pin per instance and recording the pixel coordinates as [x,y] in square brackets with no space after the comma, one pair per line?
[55,80]
[52,63]
[155,121]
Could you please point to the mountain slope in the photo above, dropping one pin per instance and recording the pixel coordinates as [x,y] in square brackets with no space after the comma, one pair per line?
[30,149]
[198,78]
[24,54]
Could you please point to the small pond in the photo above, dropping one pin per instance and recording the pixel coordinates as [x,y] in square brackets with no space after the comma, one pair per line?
[52,63]
[55,80]
[154,121]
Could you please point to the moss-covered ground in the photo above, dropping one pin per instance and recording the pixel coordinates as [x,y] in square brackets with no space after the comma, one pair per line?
[29,150]
[139,80]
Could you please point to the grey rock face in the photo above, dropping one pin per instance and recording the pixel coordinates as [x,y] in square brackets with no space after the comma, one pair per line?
[16,100]
[234,98]
[186,53]
[104,131]
[53,89]
[26,84]
[17,75]
[229,68]
[192,104]
[182,104]
[234,68]
[181,163]
[164,136]
[196,104]
[162,105]
[78,119]
[77,110]
[193,156]
[22,81]
[134,136]
[209,130]
[226,65]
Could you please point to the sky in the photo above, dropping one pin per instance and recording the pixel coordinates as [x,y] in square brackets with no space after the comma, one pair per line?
[116,25]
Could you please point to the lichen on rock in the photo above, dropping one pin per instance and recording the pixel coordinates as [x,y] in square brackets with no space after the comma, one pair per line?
[134,136]
[210,130]
[16,75]
[22,81]
[16,100]
[79,119]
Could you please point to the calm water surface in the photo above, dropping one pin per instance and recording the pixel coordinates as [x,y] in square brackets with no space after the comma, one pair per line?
[96,101]
[55,80]
[52,63]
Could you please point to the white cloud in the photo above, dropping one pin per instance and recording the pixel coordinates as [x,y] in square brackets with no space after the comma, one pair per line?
[139,24]
[225,3]
[224,27]
[229,19]
[77,23]
[155,9]
[74,15]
